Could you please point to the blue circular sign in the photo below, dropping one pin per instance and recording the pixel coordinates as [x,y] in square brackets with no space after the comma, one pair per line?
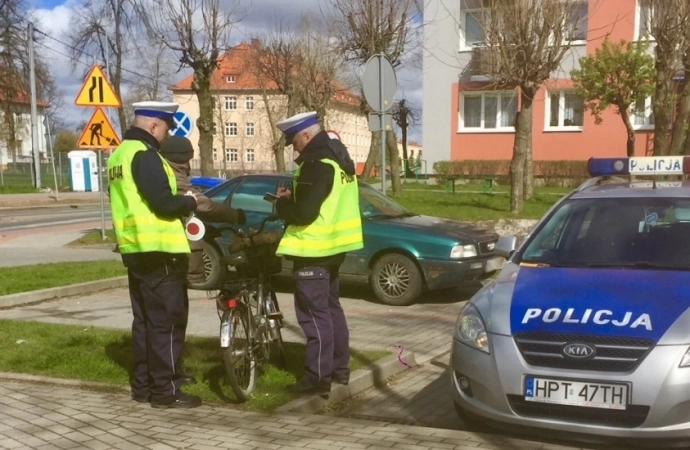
[183,125]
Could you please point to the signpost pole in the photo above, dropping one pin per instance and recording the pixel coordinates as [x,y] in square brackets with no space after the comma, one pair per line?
[382,111]
[100,188]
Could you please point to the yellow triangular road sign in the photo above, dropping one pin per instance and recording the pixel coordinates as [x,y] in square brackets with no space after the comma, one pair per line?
[97,91]
[98,133]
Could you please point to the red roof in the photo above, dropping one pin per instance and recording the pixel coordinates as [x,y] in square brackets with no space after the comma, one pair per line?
[24,98]
[232,75]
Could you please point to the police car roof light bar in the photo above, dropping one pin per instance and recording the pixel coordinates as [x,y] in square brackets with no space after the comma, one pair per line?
[639,165]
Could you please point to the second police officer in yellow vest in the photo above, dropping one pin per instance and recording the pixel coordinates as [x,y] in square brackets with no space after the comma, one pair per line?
[147,211]
[323,221]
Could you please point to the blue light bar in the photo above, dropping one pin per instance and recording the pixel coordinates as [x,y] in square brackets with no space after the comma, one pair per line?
[639,165]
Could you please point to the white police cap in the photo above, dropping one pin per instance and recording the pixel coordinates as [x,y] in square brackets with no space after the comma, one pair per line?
[160,110]
[295,124]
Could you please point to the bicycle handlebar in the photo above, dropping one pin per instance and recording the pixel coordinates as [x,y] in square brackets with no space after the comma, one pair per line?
[241,233]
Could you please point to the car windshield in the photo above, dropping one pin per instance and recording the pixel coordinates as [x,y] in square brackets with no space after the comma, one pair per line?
[375,205]
[629,232]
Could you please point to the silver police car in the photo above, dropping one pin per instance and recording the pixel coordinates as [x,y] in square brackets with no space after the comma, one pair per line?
[587,328]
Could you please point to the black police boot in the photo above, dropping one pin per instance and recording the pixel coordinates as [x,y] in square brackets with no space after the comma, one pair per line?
[309,387]
[181,400]
[185,379]
[340,380]
[141,398]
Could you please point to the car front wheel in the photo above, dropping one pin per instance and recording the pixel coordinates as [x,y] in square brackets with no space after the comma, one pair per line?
[396,280]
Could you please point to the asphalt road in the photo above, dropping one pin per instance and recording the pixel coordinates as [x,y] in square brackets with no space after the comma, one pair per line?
[28,218]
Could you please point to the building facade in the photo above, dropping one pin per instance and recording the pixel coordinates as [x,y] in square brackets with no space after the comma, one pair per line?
[245,109]
[23,153]
[464,118]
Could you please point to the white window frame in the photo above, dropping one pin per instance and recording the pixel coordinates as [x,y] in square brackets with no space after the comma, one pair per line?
[647,116]
[230,78]
[499,129]
[464,46]
[249,129]
[581,41]
[215,154]
[231,155]
[230,129]
[638,19]
[249,155]
[249,103]
[561,109]
[230,103]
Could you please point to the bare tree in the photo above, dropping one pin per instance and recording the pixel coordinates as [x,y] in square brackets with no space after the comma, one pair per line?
[667,21]
[319,69]
[14,65]
[275,55]
[365,28]
[198,32]
[155,65]
[106,28]
[520,53]
[405,116]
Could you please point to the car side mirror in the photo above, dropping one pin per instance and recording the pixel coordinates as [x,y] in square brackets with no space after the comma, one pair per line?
[506,246]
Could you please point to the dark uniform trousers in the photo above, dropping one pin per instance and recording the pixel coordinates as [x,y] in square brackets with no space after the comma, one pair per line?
[160,307]
[318,311]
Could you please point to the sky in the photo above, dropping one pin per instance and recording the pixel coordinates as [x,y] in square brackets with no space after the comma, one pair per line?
[54,18]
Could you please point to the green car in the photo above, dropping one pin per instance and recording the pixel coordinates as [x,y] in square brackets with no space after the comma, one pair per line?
[404,253]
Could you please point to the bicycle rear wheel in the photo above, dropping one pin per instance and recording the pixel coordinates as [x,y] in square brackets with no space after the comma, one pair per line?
[278,352]
[240,364]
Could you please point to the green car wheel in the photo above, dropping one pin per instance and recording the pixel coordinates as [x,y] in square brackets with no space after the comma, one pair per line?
[396,280]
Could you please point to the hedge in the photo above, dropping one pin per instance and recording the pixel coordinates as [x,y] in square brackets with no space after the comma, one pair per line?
[550,172]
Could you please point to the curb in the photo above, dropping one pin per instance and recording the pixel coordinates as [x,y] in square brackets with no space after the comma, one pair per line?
[360,380]
[27,298]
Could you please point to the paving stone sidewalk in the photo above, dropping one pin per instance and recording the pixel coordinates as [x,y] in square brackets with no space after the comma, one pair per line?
[43,417]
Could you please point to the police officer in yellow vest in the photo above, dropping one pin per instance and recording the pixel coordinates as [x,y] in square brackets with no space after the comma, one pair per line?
[321,212]
[147,211]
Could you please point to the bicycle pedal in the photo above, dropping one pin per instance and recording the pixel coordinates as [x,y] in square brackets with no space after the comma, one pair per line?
[277,315]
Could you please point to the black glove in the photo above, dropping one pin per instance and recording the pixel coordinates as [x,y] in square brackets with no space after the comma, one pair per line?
[241,217]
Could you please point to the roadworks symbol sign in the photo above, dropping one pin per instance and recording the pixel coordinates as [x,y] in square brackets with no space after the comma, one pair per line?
[99,133]
[96,90]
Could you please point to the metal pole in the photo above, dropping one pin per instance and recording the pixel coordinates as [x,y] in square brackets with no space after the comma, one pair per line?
[100,188]
[52,158]
[383,127]
[34,107]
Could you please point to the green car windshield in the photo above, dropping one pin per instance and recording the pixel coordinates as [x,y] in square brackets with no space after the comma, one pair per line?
[375,205]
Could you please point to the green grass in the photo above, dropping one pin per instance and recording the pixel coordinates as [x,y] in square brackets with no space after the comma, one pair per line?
[474,206]
[42,276]
[93,238]
[102,355]
[20,189]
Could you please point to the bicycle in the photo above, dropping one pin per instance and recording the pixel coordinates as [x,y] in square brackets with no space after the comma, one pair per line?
[250,318]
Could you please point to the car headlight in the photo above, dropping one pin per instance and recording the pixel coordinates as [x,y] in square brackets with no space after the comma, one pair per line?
[463,251]
[685,362]
[471,329]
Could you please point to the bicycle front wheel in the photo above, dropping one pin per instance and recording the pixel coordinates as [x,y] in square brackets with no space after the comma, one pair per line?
[240,363]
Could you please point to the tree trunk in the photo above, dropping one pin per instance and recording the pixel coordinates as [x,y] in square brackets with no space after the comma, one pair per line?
[662,120]
[686,144]
[202,87]
[528,178]
[394,159]
[523,126]
[373,157]
[681,122]
[630,131]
